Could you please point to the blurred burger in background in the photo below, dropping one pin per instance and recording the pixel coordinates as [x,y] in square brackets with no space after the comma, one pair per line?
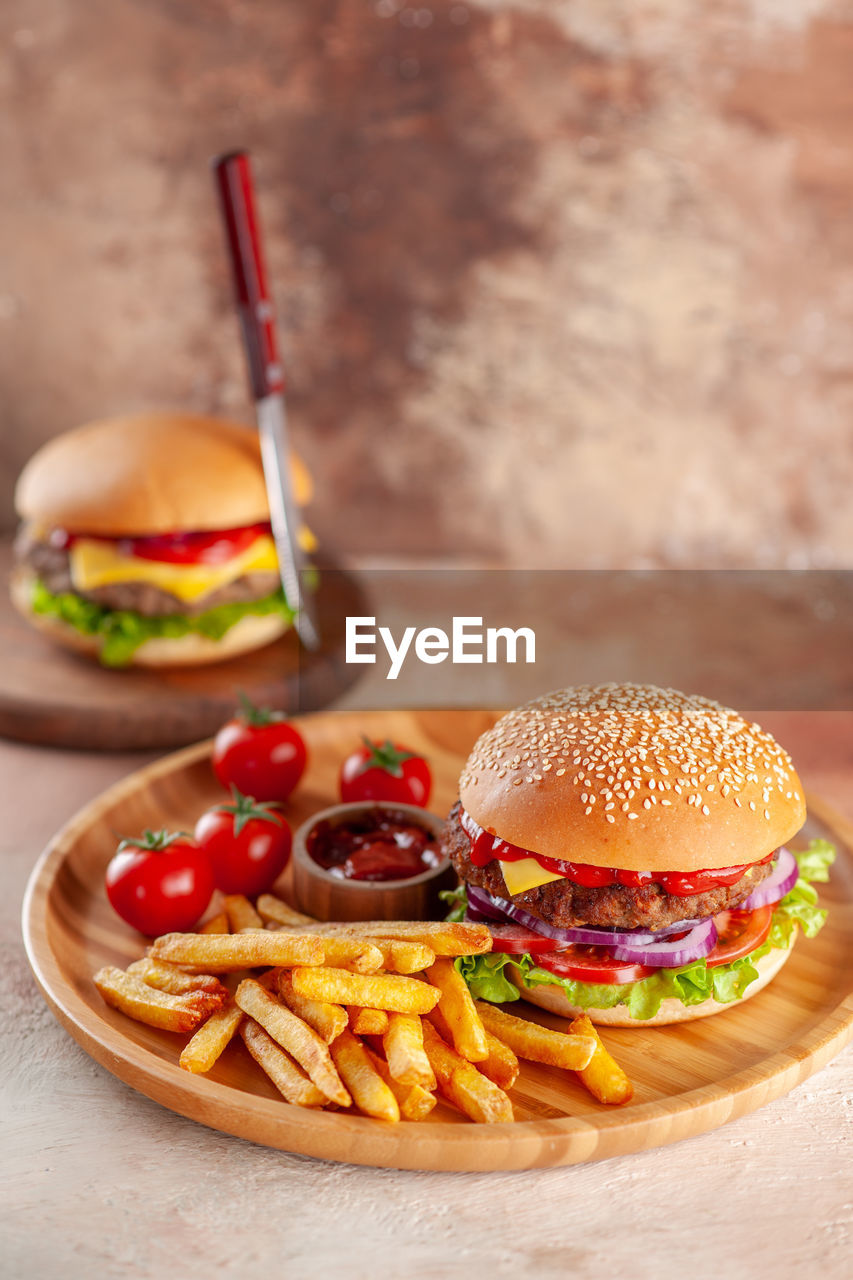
[145,540]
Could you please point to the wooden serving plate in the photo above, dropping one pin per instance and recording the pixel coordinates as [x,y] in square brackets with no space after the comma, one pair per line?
[688,1078]
[51,696]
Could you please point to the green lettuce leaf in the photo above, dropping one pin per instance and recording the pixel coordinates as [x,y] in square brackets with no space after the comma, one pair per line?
[457,902]
[692,984]
[122,631]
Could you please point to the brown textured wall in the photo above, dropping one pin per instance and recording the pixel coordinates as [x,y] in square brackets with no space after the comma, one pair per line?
[561,282]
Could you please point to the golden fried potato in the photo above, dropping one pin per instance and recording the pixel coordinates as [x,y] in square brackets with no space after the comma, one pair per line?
[603,1076]
[295,1036]
[537,1043]
[370,991]
[202,1051]
[369,1091]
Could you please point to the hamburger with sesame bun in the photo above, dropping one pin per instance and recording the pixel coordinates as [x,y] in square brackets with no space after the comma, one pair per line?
[145,540]
[627,847]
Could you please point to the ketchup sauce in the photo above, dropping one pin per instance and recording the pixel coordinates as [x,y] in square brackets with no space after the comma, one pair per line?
[485,848]
[379,844]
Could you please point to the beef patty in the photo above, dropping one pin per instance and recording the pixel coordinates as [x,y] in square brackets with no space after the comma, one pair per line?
[51,566]
[567,905]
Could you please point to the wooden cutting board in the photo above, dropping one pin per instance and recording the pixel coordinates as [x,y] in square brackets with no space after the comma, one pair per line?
[687,1077]
[53,697]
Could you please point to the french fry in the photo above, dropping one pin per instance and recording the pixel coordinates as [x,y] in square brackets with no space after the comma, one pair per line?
[444,938]
[222,953]
[240,913]
[403,1043]
[299,1039]
[414,1101]
[128,993]
[327,1019]
[367,1022]
[603,1076]
[405,957]
[474,1094]
[273,910]
[537,1043]
[397,955]
[216,924]
[358,954]
[287,1076]
[200,1054]
[369,1091]
[166,977]
[501,1064]
[371,991]
[466,1027]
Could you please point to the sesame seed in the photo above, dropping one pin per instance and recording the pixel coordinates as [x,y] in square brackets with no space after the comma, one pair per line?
[619,736]
[705,810]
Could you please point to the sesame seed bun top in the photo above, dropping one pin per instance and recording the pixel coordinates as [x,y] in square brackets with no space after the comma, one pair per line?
[634,777]
[149,473]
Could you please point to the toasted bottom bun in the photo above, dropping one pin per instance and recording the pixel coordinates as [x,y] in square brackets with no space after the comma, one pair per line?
[554,999]
[191,650]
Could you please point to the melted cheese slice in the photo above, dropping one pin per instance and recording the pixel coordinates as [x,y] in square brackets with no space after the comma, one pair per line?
[525,874]
[96,563]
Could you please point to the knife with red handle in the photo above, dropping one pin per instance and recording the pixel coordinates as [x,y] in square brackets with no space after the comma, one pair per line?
[234,184]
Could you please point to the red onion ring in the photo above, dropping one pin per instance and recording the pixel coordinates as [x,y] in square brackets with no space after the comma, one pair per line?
[488,907]
[781,880]
[674,952]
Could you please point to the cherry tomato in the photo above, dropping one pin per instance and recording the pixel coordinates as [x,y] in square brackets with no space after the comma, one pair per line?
[248,845]
[259,752]
[591,964]
[160,883]
[738,933]
[385,771]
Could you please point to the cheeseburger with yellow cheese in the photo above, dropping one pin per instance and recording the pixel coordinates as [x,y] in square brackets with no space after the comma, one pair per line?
[146,540]
[627,846]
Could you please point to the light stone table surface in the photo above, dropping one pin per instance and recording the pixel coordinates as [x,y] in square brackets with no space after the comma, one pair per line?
[97,1181]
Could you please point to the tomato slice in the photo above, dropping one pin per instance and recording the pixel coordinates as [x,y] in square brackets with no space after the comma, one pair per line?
[582,964]
[515,939]
[738,933]
[216,547]
[592,964]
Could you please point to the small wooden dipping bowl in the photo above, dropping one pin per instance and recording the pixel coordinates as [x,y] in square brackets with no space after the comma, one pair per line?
[328,897]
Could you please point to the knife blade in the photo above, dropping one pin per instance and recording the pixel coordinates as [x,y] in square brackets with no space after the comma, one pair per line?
[271,415]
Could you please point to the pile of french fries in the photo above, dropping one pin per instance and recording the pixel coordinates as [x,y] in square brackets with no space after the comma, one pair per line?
[371,1015]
